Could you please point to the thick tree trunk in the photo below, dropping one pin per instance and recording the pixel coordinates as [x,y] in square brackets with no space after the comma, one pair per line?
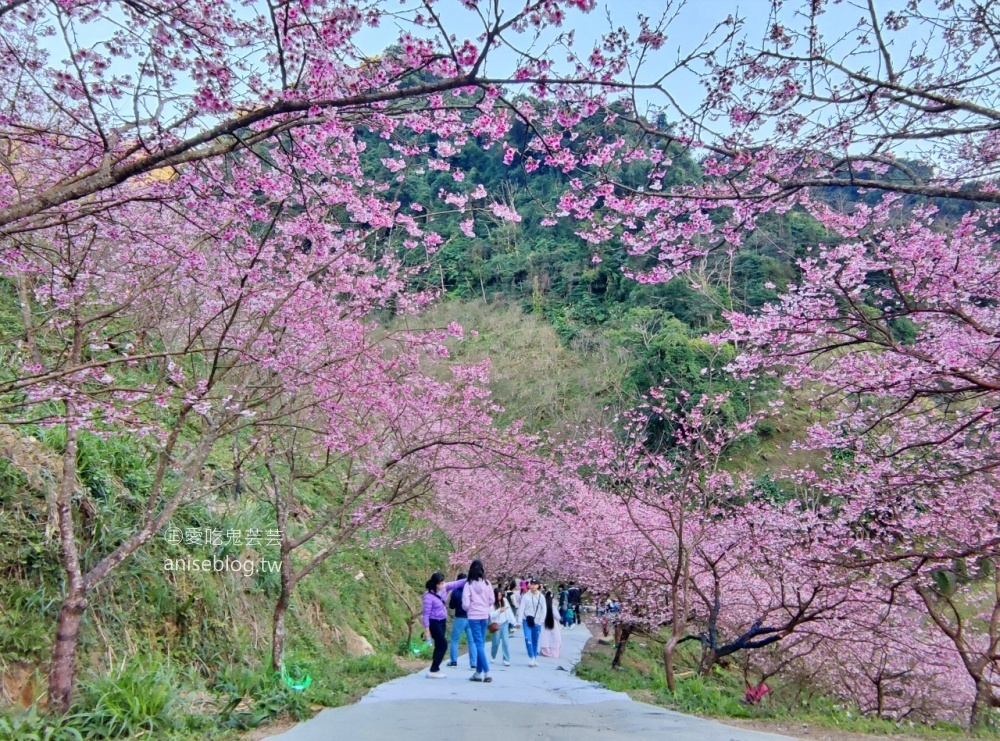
[668,663]
[982,705]
[708,659]
[62,673]
[621,637]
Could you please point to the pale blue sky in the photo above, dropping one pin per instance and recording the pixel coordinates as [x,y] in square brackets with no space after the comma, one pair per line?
[694,19]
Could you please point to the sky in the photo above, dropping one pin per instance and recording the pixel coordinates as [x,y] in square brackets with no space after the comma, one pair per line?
[691,21]
[694,20]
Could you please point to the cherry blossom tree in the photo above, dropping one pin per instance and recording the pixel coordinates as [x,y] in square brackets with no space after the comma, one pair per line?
[244,302]
[118,340]
[889,663]
[375,456]
[891,333]
[891,96]
[100,95]
[890,330]
[502,514]
[684,543]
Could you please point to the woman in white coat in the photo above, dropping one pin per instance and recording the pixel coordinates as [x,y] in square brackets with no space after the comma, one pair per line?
[532,615]
[502,617]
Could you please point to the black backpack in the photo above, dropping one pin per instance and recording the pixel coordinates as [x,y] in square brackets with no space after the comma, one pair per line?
[455,602]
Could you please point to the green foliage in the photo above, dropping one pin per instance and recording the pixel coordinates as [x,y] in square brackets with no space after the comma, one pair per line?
[24,636]
[344,681]
[535,376]
[662,349]
[417,648]
[250,698]
[138,698]
[772,490]
[30,725]
[214,627]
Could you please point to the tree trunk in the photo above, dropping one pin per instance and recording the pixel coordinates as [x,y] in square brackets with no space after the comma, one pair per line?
[621,637]
[24,297]
[287,575]
[982,705]
[62,674]
[708,659]
[280,610]
[668,663]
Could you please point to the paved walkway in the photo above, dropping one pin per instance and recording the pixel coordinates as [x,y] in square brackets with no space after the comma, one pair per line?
[522,702]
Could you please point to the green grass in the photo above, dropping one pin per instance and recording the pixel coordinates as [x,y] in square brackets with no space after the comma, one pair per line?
[183,654]
[138,698]
[31,725]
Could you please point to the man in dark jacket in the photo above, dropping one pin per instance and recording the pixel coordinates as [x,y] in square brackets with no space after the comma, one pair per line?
[459,625]
[574,603]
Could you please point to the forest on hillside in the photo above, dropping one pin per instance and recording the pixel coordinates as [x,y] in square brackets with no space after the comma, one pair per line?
[288,323]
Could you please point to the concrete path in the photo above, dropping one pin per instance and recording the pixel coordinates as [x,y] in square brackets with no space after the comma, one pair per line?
[522,702]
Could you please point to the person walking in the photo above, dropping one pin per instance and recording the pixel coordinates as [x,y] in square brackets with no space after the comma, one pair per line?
[435,618]
[501,617]
[511,595]
[532,615]
[574,604]
[563,603]
[459,625]
[550,642]
[477,599]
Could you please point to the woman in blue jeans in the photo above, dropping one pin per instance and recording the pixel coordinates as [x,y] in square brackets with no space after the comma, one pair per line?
[477,599]
[532,614]
[501,615]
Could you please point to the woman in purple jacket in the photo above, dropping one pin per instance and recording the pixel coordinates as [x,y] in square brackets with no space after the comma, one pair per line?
[436,618]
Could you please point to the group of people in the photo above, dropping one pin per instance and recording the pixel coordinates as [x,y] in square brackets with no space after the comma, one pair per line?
[569,605]
[483,611]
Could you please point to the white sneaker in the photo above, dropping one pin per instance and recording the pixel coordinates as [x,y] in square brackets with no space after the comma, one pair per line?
[506,663]
[436,675]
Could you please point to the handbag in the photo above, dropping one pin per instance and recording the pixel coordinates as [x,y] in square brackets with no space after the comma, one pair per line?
[493,627]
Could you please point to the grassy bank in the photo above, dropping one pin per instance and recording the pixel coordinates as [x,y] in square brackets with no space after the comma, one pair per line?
[793,707]
[185,654]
